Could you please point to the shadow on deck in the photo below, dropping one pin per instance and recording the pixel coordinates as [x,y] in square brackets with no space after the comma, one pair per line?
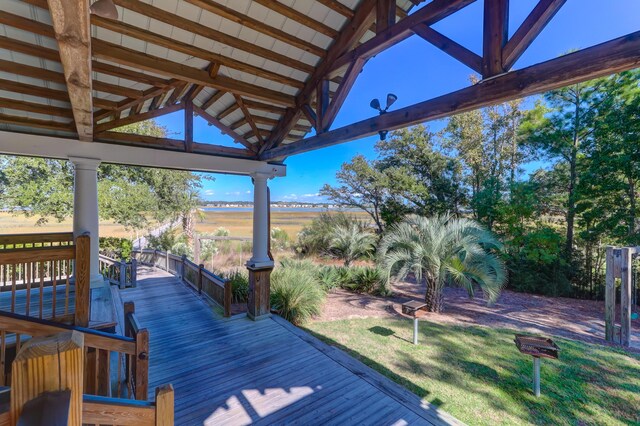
[267,372]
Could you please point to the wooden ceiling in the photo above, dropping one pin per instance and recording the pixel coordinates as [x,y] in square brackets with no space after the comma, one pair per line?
[264,72]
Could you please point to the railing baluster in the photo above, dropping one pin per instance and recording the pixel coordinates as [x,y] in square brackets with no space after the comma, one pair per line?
[41,268]
[29,278]
[3,351]
[66,290]
[13,289]
[54,284]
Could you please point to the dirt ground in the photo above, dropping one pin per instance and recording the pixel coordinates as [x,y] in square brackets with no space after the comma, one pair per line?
[571,318]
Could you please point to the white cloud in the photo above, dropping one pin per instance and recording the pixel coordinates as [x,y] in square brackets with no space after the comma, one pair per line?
[209,192]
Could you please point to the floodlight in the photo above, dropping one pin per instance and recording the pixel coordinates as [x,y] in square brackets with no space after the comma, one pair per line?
[391,98]
[375,104]
[104,9]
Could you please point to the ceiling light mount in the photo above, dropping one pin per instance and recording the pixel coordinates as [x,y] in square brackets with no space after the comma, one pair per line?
[104,9]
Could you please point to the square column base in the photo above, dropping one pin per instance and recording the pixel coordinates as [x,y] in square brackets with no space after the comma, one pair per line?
[258,304]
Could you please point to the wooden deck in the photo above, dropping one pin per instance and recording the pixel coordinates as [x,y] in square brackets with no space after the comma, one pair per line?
[235,372]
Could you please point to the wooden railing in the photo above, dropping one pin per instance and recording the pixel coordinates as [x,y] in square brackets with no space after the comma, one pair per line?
[103,411]
[137,365]
[100,347]
[121,273]
[215,288]
[42,274]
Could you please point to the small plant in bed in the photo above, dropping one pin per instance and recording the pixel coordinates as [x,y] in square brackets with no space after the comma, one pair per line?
[239,279]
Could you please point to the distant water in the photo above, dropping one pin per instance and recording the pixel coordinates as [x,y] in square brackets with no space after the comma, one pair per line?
[275,209]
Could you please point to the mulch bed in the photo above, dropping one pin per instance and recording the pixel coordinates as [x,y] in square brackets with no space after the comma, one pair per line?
[553,316]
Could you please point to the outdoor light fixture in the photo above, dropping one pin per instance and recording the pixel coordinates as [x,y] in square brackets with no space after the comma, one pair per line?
[375,104]
[104,9]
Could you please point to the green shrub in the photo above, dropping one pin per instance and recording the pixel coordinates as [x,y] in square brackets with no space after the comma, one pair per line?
[305,264]
[181,249]
[316,237]
[280,239]
[295,294]
[328,277]
[116,248]
[239,279]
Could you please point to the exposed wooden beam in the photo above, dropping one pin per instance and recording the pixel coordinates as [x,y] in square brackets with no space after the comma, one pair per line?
[132,102]
[429,14]
[37,124]
[228,110]
[172,144]
[299,17]
[338,7]
[128,74]
[136,59]
[322,103]
[259,26]
[29,49]
[495,36]
[33,72]
[311,115]
[188,126]
[35,108]
[103,127]
[73,32]
[274,109]
[176,95]
[193,92]
[38,91]
[532,26]
[607,58]
[114,89]
[249,118]
[207,32]
[226,130]
[385,14]
[25,24]
[450,47]
[338,99]
[213,99]
[191,50]
[349,36]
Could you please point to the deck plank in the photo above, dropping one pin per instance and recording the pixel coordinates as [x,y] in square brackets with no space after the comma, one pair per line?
[237,372]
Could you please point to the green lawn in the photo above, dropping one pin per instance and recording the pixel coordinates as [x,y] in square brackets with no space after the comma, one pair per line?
[478,375]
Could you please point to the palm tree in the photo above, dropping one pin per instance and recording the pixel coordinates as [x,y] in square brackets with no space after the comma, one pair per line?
[350,242]
[444,250]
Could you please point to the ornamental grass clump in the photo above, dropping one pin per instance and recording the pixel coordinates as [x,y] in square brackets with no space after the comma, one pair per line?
[296,294]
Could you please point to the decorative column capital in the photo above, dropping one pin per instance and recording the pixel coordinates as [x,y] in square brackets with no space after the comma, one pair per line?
[81,163]
[264,175]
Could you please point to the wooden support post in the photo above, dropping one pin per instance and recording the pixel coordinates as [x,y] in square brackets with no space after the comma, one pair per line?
[164,406]
[103,385]
[48,364]
[322,103]
[625,296]
[199,279]
[228,298]
[134,271]
[259,305]
[142,365]
[385,14]
[495,36]
[188,126]
[82,280]
[610,294]
[184,260]
[166,262]
[123,274]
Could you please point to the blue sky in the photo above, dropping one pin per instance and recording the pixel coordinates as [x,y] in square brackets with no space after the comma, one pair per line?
[416,71]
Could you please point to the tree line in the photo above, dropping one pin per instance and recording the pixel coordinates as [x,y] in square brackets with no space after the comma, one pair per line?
[554,221]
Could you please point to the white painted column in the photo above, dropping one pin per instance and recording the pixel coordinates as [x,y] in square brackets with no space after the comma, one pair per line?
[260,258]
[85,209]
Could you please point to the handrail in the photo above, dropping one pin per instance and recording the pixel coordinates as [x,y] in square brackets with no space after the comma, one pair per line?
[121,273]
[35,239]
[137,365]
[134,347]
[215,288]
[116,411]
[29,269]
